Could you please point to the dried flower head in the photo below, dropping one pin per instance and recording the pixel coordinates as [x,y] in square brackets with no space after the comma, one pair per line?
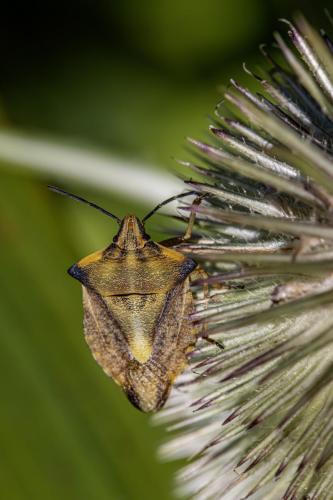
[256,418]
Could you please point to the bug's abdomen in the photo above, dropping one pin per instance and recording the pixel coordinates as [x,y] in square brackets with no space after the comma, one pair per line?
[147,371]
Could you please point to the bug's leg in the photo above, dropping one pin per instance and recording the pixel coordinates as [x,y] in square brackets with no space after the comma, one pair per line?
[213,341]
[197,274]
[188,233]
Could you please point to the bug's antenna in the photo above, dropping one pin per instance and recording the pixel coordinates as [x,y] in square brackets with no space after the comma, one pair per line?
[188,193]
[82,200]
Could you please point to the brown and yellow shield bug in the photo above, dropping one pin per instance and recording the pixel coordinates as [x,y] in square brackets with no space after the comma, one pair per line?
[137,305]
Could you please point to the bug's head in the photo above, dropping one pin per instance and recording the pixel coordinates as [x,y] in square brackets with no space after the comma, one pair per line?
[131,235]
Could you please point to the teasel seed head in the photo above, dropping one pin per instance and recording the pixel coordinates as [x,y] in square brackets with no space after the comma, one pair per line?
[255,419]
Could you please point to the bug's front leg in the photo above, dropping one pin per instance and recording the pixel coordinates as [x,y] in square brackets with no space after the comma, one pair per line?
[189,229]
[198,274]
[188,233]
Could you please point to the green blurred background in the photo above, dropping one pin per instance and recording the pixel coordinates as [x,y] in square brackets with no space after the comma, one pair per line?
[132,79]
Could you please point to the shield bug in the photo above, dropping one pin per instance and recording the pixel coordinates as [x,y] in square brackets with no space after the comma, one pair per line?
[137,304]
